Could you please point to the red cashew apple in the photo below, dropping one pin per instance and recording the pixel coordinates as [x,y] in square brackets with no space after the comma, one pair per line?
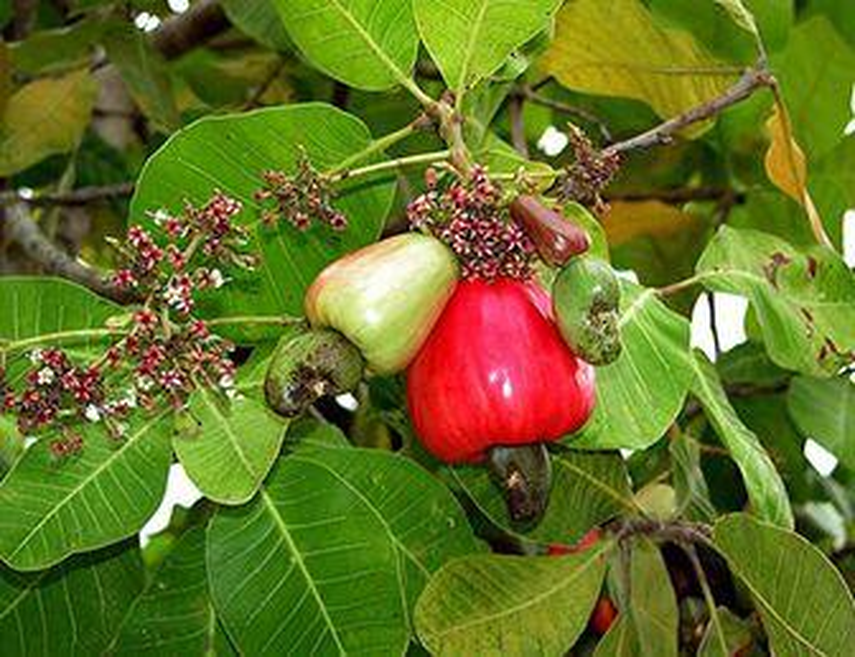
[495,372]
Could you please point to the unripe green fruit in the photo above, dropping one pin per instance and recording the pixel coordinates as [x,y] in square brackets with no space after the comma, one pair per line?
[586,302]
[309,364]
[385,298]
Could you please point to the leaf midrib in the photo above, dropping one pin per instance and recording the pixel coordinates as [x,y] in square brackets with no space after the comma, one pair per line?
[298,560]
[130,442]
[583,568]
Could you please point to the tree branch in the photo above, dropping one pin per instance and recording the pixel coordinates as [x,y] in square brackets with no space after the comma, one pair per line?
[529,93]
[75,197]
[178,34]
[751,80]
[19,227]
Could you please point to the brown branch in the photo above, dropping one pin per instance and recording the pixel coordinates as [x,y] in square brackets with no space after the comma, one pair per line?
[176,35]
[19,228]
[529,93]
[515,112]
[75,197]
[751,80]
[679,195]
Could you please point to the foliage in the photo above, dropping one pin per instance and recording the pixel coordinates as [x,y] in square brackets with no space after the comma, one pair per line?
[707,154]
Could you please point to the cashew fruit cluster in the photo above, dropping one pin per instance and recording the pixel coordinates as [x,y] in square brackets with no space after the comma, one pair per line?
[495,368]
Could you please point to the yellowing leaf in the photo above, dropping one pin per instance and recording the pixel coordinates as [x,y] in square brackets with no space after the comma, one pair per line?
[45,117]
[615,48]
[785,161]
[787,168]
[627,220]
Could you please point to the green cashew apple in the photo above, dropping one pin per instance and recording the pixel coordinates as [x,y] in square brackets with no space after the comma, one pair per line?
[385,298]
[308,364]
[586,303]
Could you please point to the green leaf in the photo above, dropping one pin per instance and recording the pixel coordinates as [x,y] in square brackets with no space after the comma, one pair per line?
[367,44]
[173,614]
[56,51]
[693,496]
[471,39]
[765,489]
[73,608]
[51,310]
[725,637]
[331,554]
[664,68]
[587,490]
[740,15]
[803,300]
[508,605]
[803,601]
[258,19]
[230,153]
[817,98]
[228,446]
[640,394]
[824,409]
[45,117]
[54,508]
[652,602]
[620,641]
[144,72]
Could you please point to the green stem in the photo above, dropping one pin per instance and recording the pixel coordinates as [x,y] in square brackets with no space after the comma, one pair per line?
[421,158]
[379,144]
[709,599]
[277,320]
[685,284]
[59,336]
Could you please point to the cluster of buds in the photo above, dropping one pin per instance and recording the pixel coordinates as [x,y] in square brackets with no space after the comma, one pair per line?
[471,218]
[169,360]
[59,393]
[300,199]
[210,229]
[591,172]
[167,352]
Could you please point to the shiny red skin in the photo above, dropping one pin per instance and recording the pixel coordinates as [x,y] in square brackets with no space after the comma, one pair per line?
[495,371]
[603,616]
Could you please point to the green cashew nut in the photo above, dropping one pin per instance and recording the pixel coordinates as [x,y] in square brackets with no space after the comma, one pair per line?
[586,302]
[308,364]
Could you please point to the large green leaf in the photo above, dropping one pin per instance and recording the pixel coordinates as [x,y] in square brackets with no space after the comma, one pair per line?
[587,489]
[640,394]
[173,614]
[652,602]
[331,554]
[817,97]
[368,44]
[805,604]
[804,300]
[227,447]
[45,117]
[230,153]
[824,409]
[665,68]
[71,609]
[764,485]
[260,20]
[508,605]
[50,310]
[52,508]
[471,39]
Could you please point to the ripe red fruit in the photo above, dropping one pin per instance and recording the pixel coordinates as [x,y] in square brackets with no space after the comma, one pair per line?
[589,539]
[603,616]
[495,371]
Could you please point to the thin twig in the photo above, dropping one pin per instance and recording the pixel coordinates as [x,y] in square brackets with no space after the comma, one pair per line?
[515,112]
[679,195]
[713,324]
[532,95]
[255,99]
[74,197]
[19,227]
[692,552]
[751,80]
